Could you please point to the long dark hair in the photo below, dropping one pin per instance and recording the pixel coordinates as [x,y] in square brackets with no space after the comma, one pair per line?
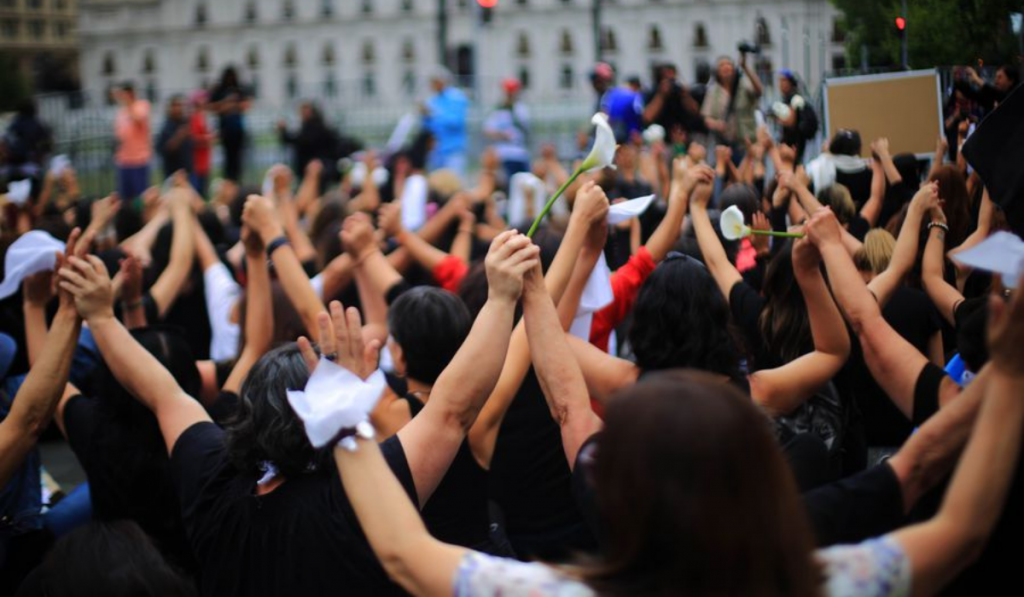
[687,511]
[957,206]
[110,558]
[783,322]
[681,319]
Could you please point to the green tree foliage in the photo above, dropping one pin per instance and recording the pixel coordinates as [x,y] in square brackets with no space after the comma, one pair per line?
[940,32]
[15,86]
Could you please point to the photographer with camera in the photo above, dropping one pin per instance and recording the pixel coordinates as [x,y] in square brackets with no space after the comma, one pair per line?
[731,102]
[795,115]
[670,104]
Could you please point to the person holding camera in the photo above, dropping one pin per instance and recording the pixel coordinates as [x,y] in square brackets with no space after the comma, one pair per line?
[795,115]
[731,102]
[670,104]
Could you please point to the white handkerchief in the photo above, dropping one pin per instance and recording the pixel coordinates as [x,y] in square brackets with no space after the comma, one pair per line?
[19,191]
[1001,253]
[59,164]
[414,202]
[621,212]
[34,252]
[335,399]
[597,295]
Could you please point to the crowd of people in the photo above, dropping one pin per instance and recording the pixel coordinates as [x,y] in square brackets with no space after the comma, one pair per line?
[371,381]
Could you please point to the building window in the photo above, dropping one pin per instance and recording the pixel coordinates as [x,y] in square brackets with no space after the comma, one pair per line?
[522,2]
[408,51]
[36,29]
[254,85]
[291,86]
[288,11]
[327,8]
[251,14]
[762,35]
[524,77]
[291,57]
[654,42]
[203,60]
[369,85]
[327,55]
[151,92]
[330,86]
[61,29]
[838,32]
[148,62]
[369,55]
[409,83]
[9,28]
[367,7]
[608,41]
[60,4]
[200,15]
[565,45]
[523,45]
[700,36]
[252,57]
[109,64]
[566,77]
[35,4]
[407,6]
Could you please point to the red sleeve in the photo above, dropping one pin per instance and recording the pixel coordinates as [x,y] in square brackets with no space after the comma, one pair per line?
[626,283]
[450,272]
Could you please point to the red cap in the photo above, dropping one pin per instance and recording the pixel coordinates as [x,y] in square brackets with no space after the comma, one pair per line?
[511,85]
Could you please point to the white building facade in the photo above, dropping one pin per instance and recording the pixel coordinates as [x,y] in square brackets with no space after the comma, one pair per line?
[379,53]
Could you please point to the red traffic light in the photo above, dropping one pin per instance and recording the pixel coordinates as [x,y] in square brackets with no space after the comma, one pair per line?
[901,23]
[487,3]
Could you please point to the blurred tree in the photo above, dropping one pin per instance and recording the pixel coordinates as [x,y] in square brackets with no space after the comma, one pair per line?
[15,84]
[940,32]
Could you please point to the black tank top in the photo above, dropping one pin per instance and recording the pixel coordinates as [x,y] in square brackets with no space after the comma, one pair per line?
[457,512]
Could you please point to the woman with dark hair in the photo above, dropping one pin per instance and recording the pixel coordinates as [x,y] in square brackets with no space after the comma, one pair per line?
[262,513]
[230,100]
[685,513]
[107,558]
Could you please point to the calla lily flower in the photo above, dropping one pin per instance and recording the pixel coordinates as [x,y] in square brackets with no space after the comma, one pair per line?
[735,228]
[602,154]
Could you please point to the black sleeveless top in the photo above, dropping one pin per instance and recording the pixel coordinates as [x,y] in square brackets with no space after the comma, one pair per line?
[457,513]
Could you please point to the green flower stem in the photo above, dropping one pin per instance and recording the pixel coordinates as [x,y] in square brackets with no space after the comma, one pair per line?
[551,202]
[774,233]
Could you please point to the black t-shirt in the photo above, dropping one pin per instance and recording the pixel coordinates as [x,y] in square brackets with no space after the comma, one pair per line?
[858,227]
[531,482]
[457,512]
[746,305]
[858,182]
[129,474]
[303,538]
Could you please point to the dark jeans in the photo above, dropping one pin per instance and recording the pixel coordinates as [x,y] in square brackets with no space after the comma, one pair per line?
[132,181]
[233,140]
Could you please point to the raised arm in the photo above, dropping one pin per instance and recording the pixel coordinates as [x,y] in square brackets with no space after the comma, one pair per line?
[259,311]
[590,209]
[894,363]
[359,239]
[36,294]
[724,272]
[873,206]
[557,370]
[135,369]
[985,213]
[433,437]
[666,234]
[943,294]
[905,253]
[941,548]
[37,398]
[168,286]
[259,216]
[782,389]
[881,148]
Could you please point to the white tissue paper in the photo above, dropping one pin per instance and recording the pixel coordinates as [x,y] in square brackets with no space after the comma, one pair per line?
[34,252]
[59,164]
[1001,253]
[335,399]
[19,191]
[597,294]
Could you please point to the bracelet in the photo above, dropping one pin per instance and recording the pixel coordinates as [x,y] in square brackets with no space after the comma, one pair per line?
[276,244]
[131,306]
[465,231]
[345,438]
[938,224]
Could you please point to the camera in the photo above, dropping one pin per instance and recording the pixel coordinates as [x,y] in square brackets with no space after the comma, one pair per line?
[745,47]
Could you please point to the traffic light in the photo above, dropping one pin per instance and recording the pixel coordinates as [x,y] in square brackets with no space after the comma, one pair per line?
[901,33]
[486,10]
[901,26]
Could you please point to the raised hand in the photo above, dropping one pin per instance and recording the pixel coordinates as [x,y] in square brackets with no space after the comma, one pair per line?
[806,257]
[357,235]
[698,185]
[341,341]
[103,211]
[591,204]
[760,241]
[823,228]
[880,146]
[87,281]
[260,215]
[253,242]
[511,255]
[128,280]
[389,218]
[38,289]
[927,200]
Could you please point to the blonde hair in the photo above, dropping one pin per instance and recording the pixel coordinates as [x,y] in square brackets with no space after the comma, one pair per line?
[838,197]
[875,254]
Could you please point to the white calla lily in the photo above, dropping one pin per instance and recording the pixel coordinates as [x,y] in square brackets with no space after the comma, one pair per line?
[602,154]
[732,225]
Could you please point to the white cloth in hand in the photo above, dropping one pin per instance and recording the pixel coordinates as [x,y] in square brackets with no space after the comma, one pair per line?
[1001,253]
[334,399]
[34,252]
